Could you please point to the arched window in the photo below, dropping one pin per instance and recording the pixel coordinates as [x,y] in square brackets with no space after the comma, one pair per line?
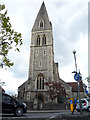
[40,82]
[38,40]
[44,40]
[41,24]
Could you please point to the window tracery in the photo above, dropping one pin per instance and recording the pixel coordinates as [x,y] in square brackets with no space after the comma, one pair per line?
[41,24]
[40,82]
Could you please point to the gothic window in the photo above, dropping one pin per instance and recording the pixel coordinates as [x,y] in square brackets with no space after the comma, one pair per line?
[40,82]
[44,40]
[38,40]
[41,24]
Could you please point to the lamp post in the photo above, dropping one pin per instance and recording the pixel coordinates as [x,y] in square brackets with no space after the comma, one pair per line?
[74,52]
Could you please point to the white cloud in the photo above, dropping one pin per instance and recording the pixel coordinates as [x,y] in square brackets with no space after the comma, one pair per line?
[11,82]
[70,29]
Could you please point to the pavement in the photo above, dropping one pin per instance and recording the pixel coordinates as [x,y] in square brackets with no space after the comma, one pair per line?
[58,115]
[65,113]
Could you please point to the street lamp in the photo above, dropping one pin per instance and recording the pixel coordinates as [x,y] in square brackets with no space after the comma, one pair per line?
[74,52]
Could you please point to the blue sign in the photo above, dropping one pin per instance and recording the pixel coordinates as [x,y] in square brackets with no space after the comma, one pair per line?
[71,102]
[86,91]
[76,76]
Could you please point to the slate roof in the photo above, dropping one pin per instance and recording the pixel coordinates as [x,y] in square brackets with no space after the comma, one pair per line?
[74,86]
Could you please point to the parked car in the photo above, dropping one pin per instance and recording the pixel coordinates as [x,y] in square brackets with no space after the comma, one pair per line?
[85,102]
[11,105]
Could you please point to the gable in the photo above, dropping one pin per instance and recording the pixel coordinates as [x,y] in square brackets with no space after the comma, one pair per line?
[74,86]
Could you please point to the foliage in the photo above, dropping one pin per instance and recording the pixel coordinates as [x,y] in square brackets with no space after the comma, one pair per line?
[55,90]
[9,38]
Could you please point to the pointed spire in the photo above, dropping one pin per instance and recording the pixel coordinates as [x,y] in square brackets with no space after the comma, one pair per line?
[42,17]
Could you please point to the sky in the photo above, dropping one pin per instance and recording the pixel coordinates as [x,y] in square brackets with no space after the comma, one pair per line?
[70,32]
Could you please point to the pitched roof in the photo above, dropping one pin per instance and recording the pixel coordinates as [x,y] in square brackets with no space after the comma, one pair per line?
[67,86]
[42,15]
[74,86]
[22,86]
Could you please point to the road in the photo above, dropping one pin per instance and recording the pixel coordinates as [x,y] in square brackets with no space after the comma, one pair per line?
[62,115]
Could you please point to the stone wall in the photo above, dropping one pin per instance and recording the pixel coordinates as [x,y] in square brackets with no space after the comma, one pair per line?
[54,106]
[47,106]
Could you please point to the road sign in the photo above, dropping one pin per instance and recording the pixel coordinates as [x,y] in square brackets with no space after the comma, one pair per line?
[76,76]
[71,102]
[86,91]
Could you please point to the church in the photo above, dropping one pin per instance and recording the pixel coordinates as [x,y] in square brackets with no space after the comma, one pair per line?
[42,67]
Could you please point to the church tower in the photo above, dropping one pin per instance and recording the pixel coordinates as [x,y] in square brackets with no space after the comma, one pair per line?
[41,65]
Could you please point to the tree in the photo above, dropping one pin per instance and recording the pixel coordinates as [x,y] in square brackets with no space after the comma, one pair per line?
[55,90]
[9,38]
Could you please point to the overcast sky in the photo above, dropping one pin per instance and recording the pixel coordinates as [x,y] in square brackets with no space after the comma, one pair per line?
[70,32]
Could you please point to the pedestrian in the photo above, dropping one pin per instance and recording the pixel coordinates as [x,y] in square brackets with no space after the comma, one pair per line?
[75,103]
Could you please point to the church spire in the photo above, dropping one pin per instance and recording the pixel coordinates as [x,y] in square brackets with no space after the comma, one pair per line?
[42,20]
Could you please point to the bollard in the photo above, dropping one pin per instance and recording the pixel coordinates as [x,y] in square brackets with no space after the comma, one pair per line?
[71,104]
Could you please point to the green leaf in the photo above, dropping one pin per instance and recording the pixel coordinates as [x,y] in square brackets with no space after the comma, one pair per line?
[18,49]
[5,12]
[9,38]
[2,7]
